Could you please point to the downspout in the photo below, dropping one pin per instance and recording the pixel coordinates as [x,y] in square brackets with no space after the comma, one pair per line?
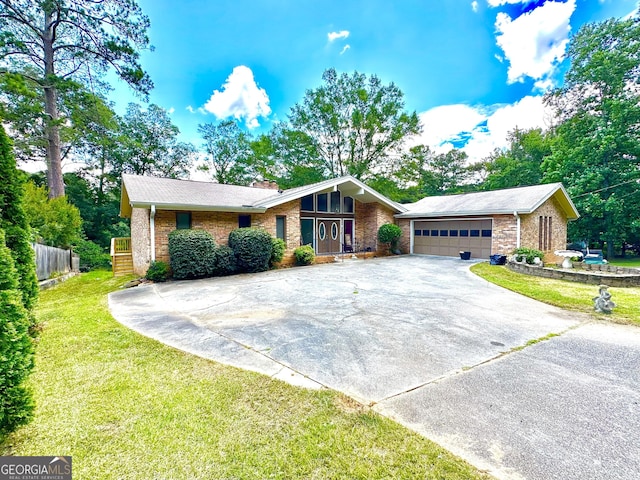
[515,214]
[152,231]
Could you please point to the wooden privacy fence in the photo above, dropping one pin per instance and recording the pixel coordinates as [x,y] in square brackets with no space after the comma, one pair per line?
[51,260]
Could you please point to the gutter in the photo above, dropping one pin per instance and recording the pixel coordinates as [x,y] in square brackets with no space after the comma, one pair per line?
[152,231]
[515,214]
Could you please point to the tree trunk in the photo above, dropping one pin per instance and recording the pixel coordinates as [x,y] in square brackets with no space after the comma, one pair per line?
[54,158]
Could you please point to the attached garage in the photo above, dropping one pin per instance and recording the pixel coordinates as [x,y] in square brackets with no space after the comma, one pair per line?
[488,223]
[449,237]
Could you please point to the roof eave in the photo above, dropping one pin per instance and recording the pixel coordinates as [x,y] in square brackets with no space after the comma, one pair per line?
[200,208]
[461,214]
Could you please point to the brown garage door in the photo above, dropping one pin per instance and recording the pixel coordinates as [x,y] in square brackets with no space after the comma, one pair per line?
[448,238]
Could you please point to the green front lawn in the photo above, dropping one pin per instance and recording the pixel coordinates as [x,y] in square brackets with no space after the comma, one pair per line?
[563,294]
[630,262]
[128,407]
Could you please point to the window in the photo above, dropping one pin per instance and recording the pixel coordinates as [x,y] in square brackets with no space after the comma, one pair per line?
[425,233]
[444,233]
[453,233]
[306,204]
[434,233]
[306,231]
[335,202]
[486,233]
[183,220]
[347,205]
[244,221]
[281,227]
[464,233]
[323,206]
[417,233]
[544,234]
[475,233]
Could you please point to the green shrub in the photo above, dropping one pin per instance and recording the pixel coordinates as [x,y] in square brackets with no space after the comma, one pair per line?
[192,253]
[15,224]
[527,254]
[225,261]
[158,271]
[389,233]
[16,348]
[92,256]
[304,255]
[252,247]
[278,248]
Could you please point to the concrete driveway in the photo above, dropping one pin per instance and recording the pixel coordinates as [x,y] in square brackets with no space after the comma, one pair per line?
[425,342]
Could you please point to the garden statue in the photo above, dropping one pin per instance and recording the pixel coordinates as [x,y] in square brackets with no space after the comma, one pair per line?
[603,303]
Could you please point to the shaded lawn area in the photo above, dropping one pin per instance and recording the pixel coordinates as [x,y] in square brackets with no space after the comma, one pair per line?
[564,294]
[128,407]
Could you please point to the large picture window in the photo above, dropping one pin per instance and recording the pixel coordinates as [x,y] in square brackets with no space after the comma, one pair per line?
[306,204]
[335,202]
[323,202]
[306,231]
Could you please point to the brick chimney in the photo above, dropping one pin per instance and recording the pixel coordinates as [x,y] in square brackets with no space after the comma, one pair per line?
[267,184]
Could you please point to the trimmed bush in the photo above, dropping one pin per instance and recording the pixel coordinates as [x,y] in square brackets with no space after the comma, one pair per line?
[193,254]
[92,256]
[527,254]
[389,233]
[277,252]
[225,261]
[158,271]
[252,247]
[16,348]
[304,255]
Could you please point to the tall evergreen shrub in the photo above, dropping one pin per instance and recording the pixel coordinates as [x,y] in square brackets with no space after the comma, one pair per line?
[253,248]
[16,348]
[15,225]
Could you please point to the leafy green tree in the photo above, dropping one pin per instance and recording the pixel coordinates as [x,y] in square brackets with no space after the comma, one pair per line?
[353,123]
[15,224]
[148,144]
[16,348]
[52,44]
[520,164]
[596,152]
[54,221]
[228,149]
[426,173]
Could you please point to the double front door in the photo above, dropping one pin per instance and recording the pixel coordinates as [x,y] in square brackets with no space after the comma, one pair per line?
[334,235]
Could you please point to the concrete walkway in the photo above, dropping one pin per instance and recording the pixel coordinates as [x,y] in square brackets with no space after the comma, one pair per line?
[425,342]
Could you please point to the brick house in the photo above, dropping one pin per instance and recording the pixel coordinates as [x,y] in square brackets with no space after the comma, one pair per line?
[334,216]
[487,223]
[340,215]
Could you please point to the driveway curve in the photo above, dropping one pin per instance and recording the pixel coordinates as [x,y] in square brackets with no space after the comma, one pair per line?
[426,342]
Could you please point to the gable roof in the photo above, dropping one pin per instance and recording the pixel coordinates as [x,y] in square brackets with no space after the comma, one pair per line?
[171,194]
[522,200]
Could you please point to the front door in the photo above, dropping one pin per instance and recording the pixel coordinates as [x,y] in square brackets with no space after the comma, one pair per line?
[328,236]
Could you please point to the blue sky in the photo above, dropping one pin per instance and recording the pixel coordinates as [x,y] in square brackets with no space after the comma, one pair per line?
[472,70]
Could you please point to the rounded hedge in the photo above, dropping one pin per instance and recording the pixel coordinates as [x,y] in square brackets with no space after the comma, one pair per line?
[158,271]
[252,247]
[305,255]
[389,233]
[192,253]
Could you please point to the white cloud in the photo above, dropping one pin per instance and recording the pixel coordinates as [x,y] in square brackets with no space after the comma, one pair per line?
[498,3]
[336,35]
[345,48]
[483,128]
[171,111]
[240,98]
[474,6]
[535,42]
